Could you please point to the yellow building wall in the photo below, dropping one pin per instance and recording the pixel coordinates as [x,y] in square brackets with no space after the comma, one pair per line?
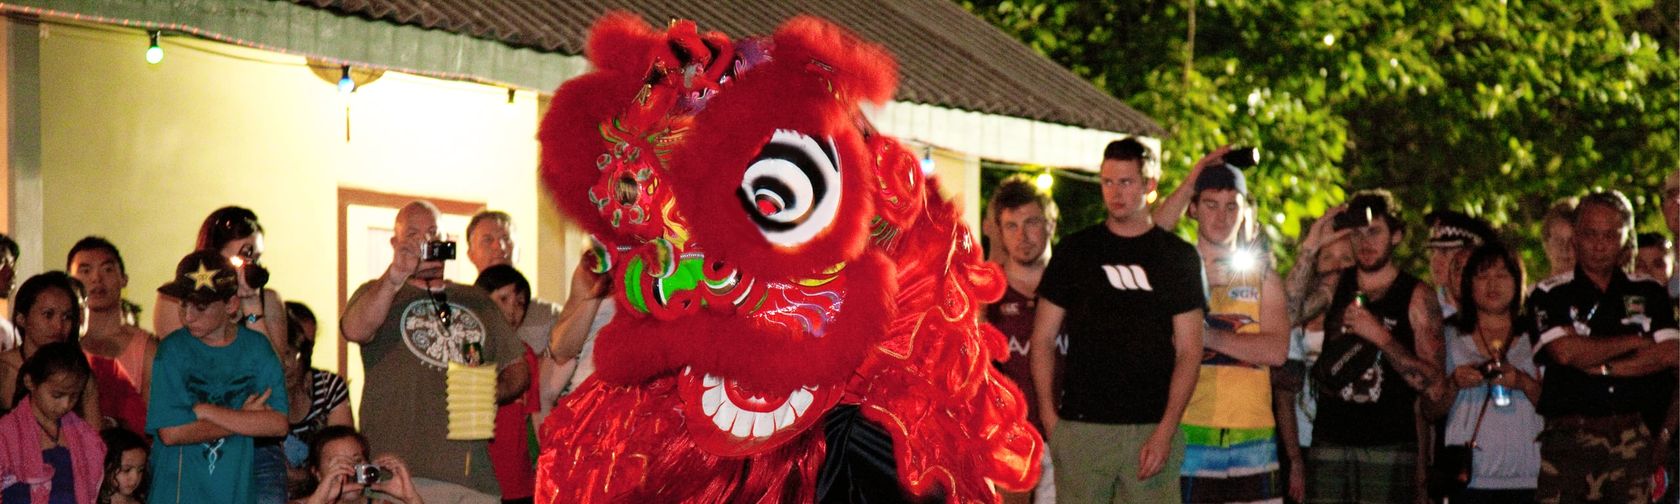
[141,153]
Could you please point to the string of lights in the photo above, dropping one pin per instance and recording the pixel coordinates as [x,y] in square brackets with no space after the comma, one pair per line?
[158,35]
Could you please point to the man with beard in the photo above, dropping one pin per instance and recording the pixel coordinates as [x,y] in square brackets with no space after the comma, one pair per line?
[1231,452]
[1025,219]
[1610,346]
[1382,353]
[412,324]
[1132,296]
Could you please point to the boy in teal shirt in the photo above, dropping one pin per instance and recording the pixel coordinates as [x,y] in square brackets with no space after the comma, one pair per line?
[215,385]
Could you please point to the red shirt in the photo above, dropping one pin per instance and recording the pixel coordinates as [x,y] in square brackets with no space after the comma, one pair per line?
[509,454]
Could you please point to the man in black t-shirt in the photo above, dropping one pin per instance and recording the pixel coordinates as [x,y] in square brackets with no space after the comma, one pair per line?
[1610,346]
[1382,352]
[1131,297]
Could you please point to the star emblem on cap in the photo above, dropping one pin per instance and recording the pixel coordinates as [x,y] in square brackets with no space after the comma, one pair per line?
[203,278]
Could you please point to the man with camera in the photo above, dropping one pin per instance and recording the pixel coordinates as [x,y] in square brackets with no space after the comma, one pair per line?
[1230,435]
[412,325]
[1610,346]
[1382,354]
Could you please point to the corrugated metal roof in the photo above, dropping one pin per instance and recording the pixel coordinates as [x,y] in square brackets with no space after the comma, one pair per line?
[947,56]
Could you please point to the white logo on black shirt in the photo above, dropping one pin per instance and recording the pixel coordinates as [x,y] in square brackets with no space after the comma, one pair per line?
[1127,277]
[1021,347]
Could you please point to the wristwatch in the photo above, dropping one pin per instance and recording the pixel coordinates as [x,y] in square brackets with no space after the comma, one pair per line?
[252,318]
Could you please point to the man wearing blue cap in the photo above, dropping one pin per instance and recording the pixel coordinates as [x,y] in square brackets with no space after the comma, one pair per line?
[1230,450]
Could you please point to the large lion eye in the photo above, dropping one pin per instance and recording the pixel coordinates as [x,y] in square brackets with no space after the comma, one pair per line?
[792,189]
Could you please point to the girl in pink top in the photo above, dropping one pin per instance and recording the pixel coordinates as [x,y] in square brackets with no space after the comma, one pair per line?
[48,454]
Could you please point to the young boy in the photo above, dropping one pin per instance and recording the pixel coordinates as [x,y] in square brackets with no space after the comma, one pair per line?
[214,386]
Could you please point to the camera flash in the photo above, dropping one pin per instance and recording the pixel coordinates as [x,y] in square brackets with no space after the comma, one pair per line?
[1242,260]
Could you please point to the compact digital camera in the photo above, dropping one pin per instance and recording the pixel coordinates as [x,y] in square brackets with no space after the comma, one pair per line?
[438,251]
[1243,157]
[368,474]
[1352,218]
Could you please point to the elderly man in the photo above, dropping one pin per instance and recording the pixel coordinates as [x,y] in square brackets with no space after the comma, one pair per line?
[1609,344]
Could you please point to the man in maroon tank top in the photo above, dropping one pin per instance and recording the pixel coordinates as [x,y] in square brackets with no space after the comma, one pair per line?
[1024,219]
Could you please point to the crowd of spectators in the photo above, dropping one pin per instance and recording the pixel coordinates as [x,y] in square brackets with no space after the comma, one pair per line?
[1158,369]
[1170,371]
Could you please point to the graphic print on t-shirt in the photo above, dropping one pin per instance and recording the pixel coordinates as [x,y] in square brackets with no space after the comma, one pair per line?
[1368,387]
[1019,348]
[1127,277]
[424,333]
[227,394]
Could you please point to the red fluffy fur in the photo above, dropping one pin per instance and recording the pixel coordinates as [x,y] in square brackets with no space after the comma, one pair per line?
[620,42]
[736,124]
[906,343]
[571,141]
[863,71]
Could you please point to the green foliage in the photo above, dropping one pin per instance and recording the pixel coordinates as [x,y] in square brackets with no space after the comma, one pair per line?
[1491,107]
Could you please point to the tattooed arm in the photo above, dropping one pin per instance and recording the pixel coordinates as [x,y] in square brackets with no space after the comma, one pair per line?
[1430,345]
[1307,294]
[1306,289]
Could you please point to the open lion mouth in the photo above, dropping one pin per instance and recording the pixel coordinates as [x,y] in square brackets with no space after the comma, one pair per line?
[729,418]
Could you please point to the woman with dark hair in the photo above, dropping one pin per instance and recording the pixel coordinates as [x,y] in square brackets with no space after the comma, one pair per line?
[48,308]
[338,461]
[235,233]
[319,398]
[1488,348]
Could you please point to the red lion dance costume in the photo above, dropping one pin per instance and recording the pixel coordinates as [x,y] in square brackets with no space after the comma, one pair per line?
[793,296]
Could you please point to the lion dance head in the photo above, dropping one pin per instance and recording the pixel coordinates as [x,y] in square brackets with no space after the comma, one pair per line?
[773,259]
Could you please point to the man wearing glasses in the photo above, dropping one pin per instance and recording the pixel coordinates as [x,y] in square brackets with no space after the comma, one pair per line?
[412,324]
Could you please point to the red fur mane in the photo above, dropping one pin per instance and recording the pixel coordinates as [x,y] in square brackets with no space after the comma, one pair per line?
[764,240]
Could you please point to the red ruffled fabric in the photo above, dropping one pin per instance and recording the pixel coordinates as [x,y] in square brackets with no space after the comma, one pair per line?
[918,361]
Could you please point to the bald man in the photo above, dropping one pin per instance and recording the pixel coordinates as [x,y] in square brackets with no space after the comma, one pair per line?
[412,324]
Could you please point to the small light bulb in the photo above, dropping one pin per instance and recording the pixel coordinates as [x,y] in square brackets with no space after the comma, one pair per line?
[1243,260]
[345,84]
[154,53]
[1044,181]
[927,165]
